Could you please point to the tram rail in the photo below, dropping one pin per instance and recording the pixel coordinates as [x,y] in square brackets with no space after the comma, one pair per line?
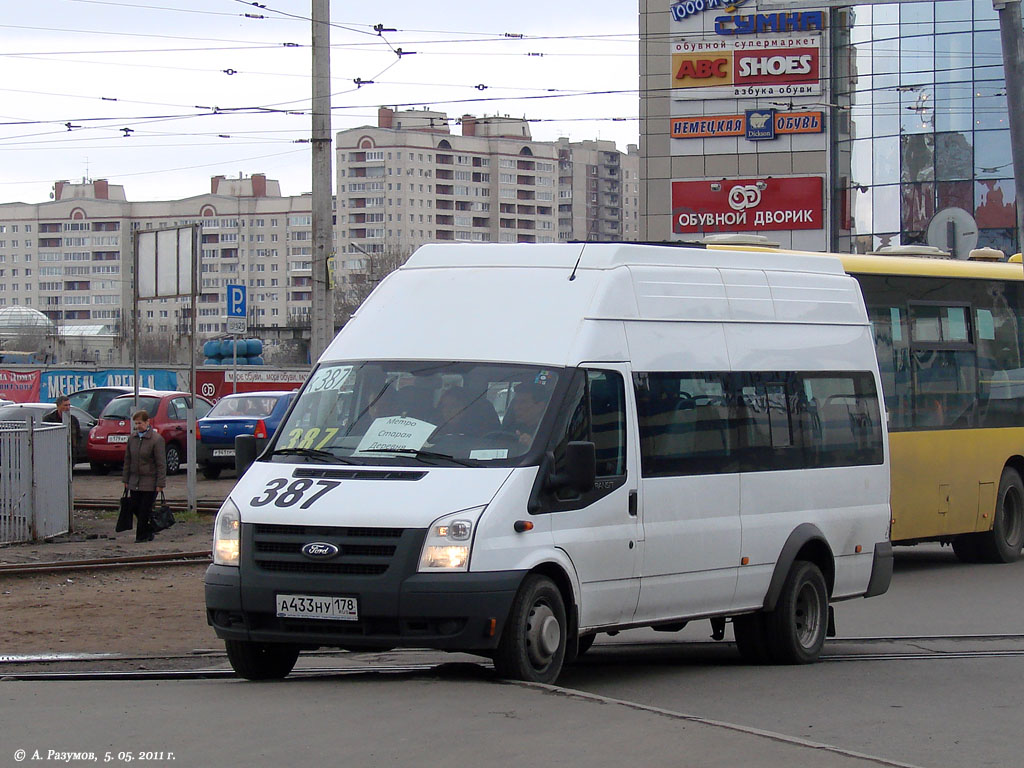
[100,563]
[9,665]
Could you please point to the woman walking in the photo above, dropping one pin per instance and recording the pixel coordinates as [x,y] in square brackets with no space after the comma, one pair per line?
[145,472]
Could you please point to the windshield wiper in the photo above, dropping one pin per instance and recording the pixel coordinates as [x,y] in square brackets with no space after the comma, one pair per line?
[420,454]
[311,453]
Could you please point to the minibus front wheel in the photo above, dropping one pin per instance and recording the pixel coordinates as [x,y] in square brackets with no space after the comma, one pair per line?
[261,661]
[532,646]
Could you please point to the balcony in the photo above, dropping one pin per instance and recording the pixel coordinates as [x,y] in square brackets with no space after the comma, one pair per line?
[444,189]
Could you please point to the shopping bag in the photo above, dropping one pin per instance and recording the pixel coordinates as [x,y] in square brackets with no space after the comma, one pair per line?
[124,518]
[162,517]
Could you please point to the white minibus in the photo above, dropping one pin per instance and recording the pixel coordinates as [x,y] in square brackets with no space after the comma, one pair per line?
[512,448]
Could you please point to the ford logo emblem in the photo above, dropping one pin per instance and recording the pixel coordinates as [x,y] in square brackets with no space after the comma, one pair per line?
[319,550]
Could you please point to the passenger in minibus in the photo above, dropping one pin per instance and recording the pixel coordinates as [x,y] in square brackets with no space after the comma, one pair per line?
[525,412]
[460,413]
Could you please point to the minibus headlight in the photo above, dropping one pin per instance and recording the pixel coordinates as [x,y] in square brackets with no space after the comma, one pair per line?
[226,534]
[449,542]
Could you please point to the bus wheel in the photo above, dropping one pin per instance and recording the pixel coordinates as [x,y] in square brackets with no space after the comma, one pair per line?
[1003,543]
[261,661]
[532,646]
[752,638]
[796,628]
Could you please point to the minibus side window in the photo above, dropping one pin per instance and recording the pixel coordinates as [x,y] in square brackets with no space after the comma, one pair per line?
[717,422]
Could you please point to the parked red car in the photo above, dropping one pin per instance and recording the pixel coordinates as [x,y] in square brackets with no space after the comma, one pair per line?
[167,414]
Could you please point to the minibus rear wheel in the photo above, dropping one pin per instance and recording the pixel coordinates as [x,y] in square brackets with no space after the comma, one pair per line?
[796,628]
[261,661]
[532,645]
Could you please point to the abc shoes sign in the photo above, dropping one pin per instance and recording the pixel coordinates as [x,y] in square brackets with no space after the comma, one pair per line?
[730,69]
[748,205]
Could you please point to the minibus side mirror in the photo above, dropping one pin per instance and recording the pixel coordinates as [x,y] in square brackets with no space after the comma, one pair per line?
[580,468]
[246,449]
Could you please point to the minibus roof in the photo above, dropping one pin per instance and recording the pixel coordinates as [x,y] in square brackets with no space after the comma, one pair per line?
[559,305]
[612,255]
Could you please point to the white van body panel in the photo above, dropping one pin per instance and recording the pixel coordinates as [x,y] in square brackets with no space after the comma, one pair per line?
[692,545]
[848,507]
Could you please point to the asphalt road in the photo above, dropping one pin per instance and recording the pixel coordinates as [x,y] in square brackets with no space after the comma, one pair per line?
[893,689]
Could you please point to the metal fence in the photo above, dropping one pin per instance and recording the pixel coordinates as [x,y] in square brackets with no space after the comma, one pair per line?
[35,481]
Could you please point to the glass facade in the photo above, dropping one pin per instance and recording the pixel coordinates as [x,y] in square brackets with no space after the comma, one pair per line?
[922,125]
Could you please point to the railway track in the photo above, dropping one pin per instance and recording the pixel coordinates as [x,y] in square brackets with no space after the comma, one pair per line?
[103,563]
[203,506]
[9,665]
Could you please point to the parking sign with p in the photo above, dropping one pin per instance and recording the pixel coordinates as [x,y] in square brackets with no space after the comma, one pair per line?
[236,300]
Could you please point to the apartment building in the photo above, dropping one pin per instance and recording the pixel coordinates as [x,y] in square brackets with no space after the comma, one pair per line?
[71,257]
[409,180]
[598,191]
[405,182]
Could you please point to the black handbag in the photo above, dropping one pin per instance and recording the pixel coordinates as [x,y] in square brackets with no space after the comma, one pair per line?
[124,518]
[162,517]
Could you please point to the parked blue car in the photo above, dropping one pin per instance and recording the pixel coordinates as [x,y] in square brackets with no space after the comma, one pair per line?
[245,413]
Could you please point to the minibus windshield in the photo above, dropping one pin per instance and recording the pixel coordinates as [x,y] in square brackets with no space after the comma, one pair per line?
[418,413]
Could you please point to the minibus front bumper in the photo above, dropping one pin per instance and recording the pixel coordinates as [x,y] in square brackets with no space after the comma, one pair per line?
[447,611]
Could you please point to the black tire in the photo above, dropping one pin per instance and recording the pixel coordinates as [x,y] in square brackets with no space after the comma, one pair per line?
[1003,543]
[211,473]
[752,638]
[173,456]
[796,628]
[261,661]
[99,469]
[532,645]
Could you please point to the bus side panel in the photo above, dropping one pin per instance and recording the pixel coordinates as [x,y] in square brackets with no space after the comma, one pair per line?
[958,464]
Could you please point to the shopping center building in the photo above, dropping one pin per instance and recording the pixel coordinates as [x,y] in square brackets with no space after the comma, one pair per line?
[844,129]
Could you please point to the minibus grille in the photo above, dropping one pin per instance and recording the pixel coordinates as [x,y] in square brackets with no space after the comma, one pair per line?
[361,551]
[360,474]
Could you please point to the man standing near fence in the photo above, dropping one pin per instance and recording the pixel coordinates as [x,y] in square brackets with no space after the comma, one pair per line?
[62,415]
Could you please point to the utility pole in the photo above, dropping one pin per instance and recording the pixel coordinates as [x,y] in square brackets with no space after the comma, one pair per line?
[1011,33]
[321,321]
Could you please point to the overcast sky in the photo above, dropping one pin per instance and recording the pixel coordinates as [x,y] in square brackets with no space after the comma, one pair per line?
[200,88]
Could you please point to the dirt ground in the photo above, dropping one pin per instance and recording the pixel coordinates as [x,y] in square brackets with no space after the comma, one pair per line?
[131,611]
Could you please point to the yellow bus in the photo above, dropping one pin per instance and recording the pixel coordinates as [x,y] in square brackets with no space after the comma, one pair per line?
[949,336]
